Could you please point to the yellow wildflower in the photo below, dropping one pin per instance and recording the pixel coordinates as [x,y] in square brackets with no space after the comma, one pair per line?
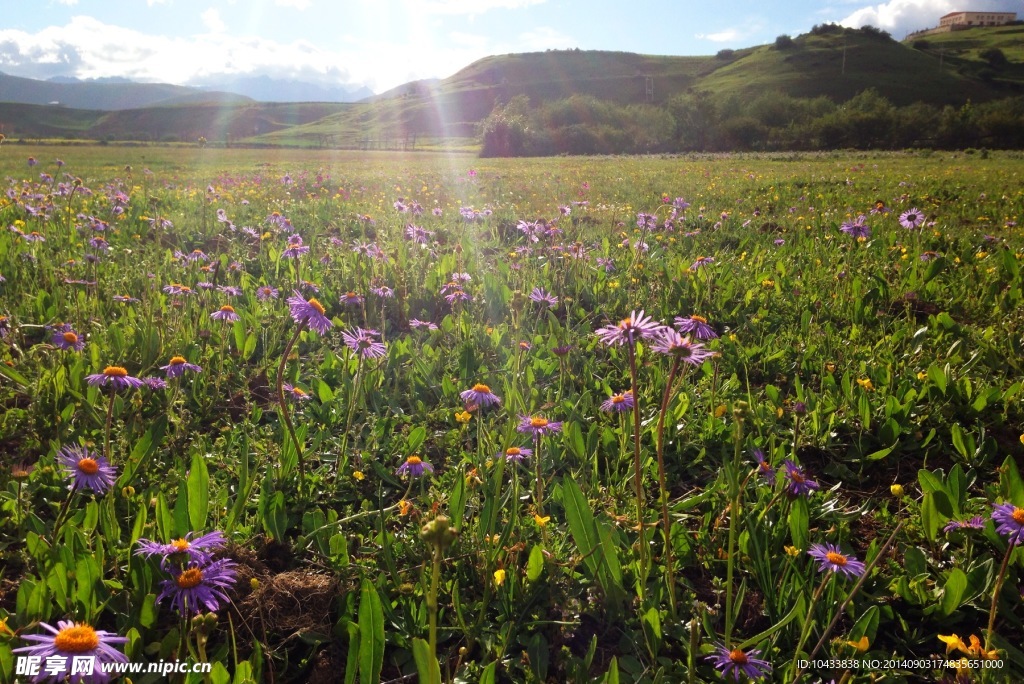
[463,416]
[866,384]
[499,577]
[896,490]
[358,475]
[542,521]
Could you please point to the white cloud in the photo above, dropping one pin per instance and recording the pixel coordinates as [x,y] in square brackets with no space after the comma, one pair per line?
[900,17]
[88,48]
[212,21]
[471,7]
[150,3]
[295,4]
[726,36]
[69,3]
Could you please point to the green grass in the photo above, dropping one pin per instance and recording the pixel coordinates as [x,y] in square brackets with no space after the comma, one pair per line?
[866,364]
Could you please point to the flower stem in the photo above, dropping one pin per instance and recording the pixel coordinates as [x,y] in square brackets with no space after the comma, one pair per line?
[734,516]
[662,488]
[995,595]
[110,421]
[637,470]
[284,405]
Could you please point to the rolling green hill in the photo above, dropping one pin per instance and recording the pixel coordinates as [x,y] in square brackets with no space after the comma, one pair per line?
[829,62]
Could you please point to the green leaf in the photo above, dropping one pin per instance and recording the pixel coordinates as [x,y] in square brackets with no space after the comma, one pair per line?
[219,674]
[612,675]
[799,519]
[953,591]
[417,436]
[143,449]
[938,377]
[581,523]
[352,662]
[535,564]
[427,667]
[457,502]
[1010,483]
[488,676]
[198,492]
[371,634]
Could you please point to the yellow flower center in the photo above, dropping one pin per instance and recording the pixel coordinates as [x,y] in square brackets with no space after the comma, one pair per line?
[618,399]
[414,460]
[227,308]
[317,305]
[737,656]
[190,578]
[481,388]
[180,545]
[699,319]
[538,422]
[1018,516]
[835,558]
[115,372]
[298,392]
[513,451]
[70,337]
[77,639]
[625,323]
[89,466]
[177,360]
[797,477]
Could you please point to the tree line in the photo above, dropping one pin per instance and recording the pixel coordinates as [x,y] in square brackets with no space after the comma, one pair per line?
[699,121]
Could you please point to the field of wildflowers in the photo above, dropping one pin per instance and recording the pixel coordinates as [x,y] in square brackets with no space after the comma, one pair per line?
[315,418]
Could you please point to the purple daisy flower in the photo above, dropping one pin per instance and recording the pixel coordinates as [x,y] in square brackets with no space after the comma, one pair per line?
[764,469]
[975,523]
[383,291]
[417,323]
[196,255]
[225,313]
[64,337]
[561,350]
[177,367]
[696,326]
[480,395]
[830,558]
[856,228]
[296,393]
[541,296]
[309,312]
[115,376]
[351,299]
[295,247]
[415,466]
[188,549]
[736,662]
[631,329]
[538,425]
[1010,521]
[619,403]
[798,483]
[87,470]
[701,262]
[670,342]
[929,255]
[199,586]
[265,292]
[70,640]
[911,219]
[362,342]
[230,290]
[154,383]
[125,299]
[516,454]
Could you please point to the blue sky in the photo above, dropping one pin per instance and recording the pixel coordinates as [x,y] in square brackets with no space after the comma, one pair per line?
[384,43]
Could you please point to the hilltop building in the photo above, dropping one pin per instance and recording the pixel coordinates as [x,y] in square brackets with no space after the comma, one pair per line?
[956,20]
[960,21]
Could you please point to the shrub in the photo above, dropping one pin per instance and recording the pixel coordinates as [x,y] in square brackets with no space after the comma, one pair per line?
[784,42]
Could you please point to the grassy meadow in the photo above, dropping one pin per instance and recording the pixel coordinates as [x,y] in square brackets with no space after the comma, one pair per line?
[315,416]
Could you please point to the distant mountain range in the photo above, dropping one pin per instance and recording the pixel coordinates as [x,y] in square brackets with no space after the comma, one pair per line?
[832,63]
[114,93]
